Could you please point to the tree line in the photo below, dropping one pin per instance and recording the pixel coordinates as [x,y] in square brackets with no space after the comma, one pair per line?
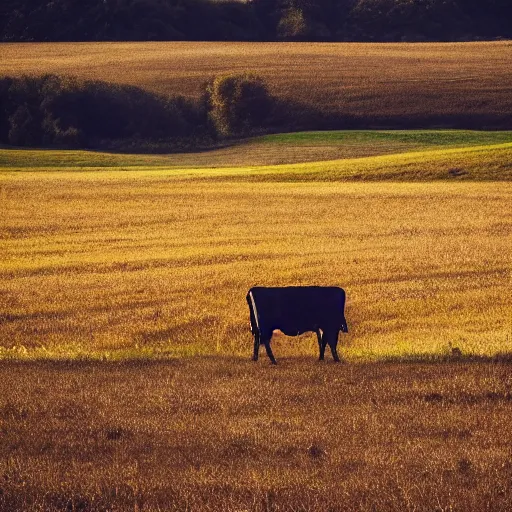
[255,20]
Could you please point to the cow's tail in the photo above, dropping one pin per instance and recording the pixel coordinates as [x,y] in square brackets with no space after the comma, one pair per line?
[343,323]
[255,328]
[253,313]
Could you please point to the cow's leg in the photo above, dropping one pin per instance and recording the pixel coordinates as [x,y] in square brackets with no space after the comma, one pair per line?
[333,344]
[266,341]
[269,352]
[256,346]
[322,342]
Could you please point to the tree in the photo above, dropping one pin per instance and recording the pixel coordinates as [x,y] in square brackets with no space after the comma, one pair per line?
[237,104]
[24,130]
[292,25]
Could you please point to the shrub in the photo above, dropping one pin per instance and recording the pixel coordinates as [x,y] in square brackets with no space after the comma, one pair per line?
[238,104]
[255,20]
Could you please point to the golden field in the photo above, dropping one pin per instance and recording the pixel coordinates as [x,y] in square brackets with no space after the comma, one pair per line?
[373,82]
[126,381]
[117,262]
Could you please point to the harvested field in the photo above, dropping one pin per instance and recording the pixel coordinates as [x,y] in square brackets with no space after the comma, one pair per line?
[439,84]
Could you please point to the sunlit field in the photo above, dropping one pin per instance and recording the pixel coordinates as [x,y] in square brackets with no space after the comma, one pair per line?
[442,84]
[153,262]
[307,147]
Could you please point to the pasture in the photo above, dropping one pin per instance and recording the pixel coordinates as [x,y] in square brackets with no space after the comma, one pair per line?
[116,269]
[294,148]
[378,84]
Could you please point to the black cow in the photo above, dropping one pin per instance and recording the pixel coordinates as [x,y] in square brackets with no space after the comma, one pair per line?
[295,310]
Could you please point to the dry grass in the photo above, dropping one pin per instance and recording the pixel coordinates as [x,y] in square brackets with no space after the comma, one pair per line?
[403,82]
[228,435]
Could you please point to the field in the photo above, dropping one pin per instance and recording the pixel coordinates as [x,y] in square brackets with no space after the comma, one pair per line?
[439,84]
[148,260]
[126,382]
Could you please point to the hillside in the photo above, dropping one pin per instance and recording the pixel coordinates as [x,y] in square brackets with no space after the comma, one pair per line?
[413,154]
[327,85]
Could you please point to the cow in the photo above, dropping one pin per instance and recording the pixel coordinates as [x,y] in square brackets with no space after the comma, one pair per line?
[295,310]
